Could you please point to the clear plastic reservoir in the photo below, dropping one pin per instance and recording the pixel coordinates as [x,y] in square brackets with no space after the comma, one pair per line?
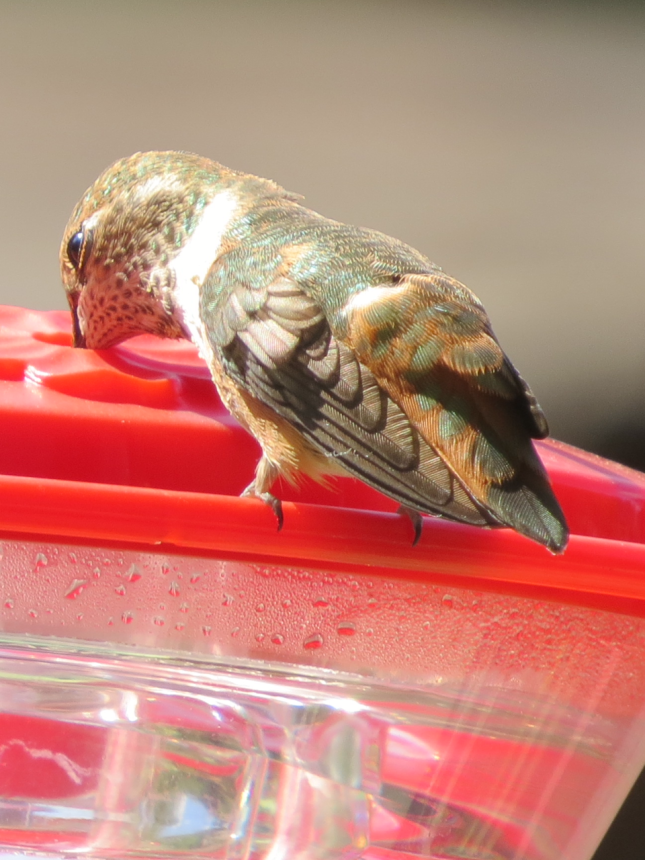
[228,709]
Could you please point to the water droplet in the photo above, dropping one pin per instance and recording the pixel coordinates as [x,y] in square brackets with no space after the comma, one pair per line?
[286,603]
[313,642]
[32,613]
[346,628]
[179,626]
[41,561]
[158,620]
[260,607]
[227,600]
[162,606]
[110,622]
[235,632]
[173,590]
[165,569]
[133,573]
[127,618]
[195,577]
[259,637]
[206,629]
[72,557]
[277,638]
[448,601]
[427,625]
[8,604]
[320,602]
[120,589]
[371,602]
[75,589]
[183,607]
[369,631]
[96,573]
[79,617]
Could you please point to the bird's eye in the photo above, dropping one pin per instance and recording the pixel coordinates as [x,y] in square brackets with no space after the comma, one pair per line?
[77,248]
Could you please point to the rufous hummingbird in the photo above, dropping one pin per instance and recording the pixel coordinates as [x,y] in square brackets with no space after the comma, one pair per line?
[342,350]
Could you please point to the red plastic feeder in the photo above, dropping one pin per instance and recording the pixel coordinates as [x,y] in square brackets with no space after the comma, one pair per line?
[178,679]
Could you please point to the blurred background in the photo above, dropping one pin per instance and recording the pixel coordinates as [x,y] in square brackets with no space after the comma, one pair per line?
[502,139]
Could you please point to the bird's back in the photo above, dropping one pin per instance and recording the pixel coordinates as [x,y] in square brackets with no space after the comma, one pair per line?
[393,369]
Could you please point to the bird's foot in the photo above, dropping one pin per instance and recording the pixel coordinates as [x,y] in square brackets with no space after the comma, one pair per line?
[268,499]
[416,520]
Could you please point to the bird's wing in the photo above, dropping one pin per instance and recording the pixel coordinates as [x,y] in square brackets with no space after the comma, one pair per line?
[428,342]
[275,341]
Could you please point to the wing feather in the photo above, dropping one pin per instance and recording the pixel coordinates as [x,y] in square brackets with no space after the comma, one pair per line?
[415,398]
[429,343]
[315,381]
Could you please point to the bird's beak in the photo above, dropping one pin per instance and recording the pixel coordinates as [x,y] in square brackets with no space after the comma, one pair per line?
[78,338]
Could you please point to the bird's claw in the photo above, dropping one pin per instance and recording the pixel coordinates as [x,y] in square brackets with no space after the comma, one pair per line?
[276,507]
[268,499]
[416,520]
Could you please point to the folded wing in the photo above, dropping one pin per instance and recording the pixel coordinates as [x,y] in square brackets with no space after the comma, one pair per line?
[411,393]
[429,343]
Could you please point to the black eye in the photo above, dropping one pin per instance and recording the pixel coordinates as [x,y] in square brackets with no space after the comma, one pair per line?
[75,249]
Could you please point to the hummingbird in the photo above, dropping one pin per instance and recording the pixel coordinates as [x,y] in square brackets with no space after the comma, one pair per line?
[343,351]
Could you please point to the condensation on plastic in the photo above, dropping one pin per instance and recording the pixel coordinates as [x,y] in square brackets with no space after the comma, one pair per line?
[328,691]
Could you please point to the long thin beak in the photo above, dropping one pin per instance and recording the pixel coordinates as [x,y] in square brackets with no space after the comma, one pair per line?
[78,338]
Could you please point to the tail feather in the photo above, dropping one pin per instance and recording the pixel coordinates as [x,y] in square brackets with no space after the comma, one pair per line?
[532,512]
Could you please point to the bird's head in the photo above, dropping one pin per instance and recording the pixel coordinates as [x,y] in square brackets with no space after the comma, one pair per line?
[120,242]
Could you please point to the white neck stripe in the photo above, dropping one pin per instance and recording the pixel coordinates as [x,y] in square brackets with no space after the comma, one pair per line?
[193,262]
